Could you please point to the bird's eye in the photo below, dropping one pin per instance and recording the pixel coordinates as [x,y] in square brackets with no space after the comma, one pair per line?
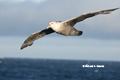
[51,23]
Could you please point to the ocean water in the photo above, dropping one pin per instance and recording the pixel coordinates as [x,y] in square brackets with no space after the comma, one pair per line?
[45,69]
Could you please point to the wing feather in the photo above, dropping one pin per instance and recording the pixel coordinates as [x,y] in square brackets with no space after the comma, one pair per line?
[29,41]
[82,17]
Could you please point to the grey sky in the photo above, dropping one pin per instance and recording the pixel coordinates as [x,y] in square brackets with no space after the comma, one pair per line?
[24,17]
[21,18]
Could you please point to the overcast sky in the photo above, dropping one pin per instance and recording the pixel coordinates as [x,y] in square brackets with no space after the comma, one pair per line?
[21,18]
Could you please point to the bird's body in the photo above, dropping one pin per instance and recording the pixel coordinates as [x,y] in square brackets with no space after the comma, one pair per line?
[65,28]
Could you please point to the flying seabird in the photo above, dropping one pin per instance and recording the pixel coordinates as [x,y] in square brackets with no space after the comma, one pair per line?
[64,27]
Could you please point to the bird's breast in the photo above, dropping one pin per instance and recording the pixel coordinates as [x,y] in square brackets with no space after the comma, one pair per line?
[62,29]
[57,27]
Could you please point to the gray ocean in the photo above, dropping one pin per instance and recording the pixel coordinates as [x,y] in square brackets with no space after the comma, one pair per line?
[47,69]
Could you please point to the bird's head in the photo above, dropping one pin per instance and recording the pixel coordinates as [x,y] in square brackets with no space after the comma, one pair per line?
[51,24]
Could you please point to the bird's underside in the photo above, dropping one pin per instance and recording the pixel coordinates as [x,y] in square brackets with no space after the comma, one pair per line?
[34,36]
[66,28]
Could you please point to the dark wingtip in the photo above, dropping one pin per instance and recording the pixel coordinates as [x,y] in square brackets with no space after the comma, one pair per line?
[23,46]
[116,8]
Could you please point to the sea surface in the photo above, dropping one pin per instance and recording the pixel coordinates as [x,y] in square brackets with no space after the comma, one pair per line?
[46,69]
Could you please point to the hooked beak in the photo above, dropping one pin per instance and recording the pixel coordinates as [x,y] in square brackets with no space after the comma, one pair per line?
[48,26]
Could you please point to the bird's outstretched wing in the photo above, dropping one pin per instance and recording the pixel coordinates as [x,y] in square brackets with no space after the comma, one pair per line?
[82,17]
[29,41]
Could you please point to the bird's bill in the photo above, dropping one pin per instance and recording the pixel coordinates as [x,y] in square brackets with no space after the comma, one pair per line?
[48,26]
